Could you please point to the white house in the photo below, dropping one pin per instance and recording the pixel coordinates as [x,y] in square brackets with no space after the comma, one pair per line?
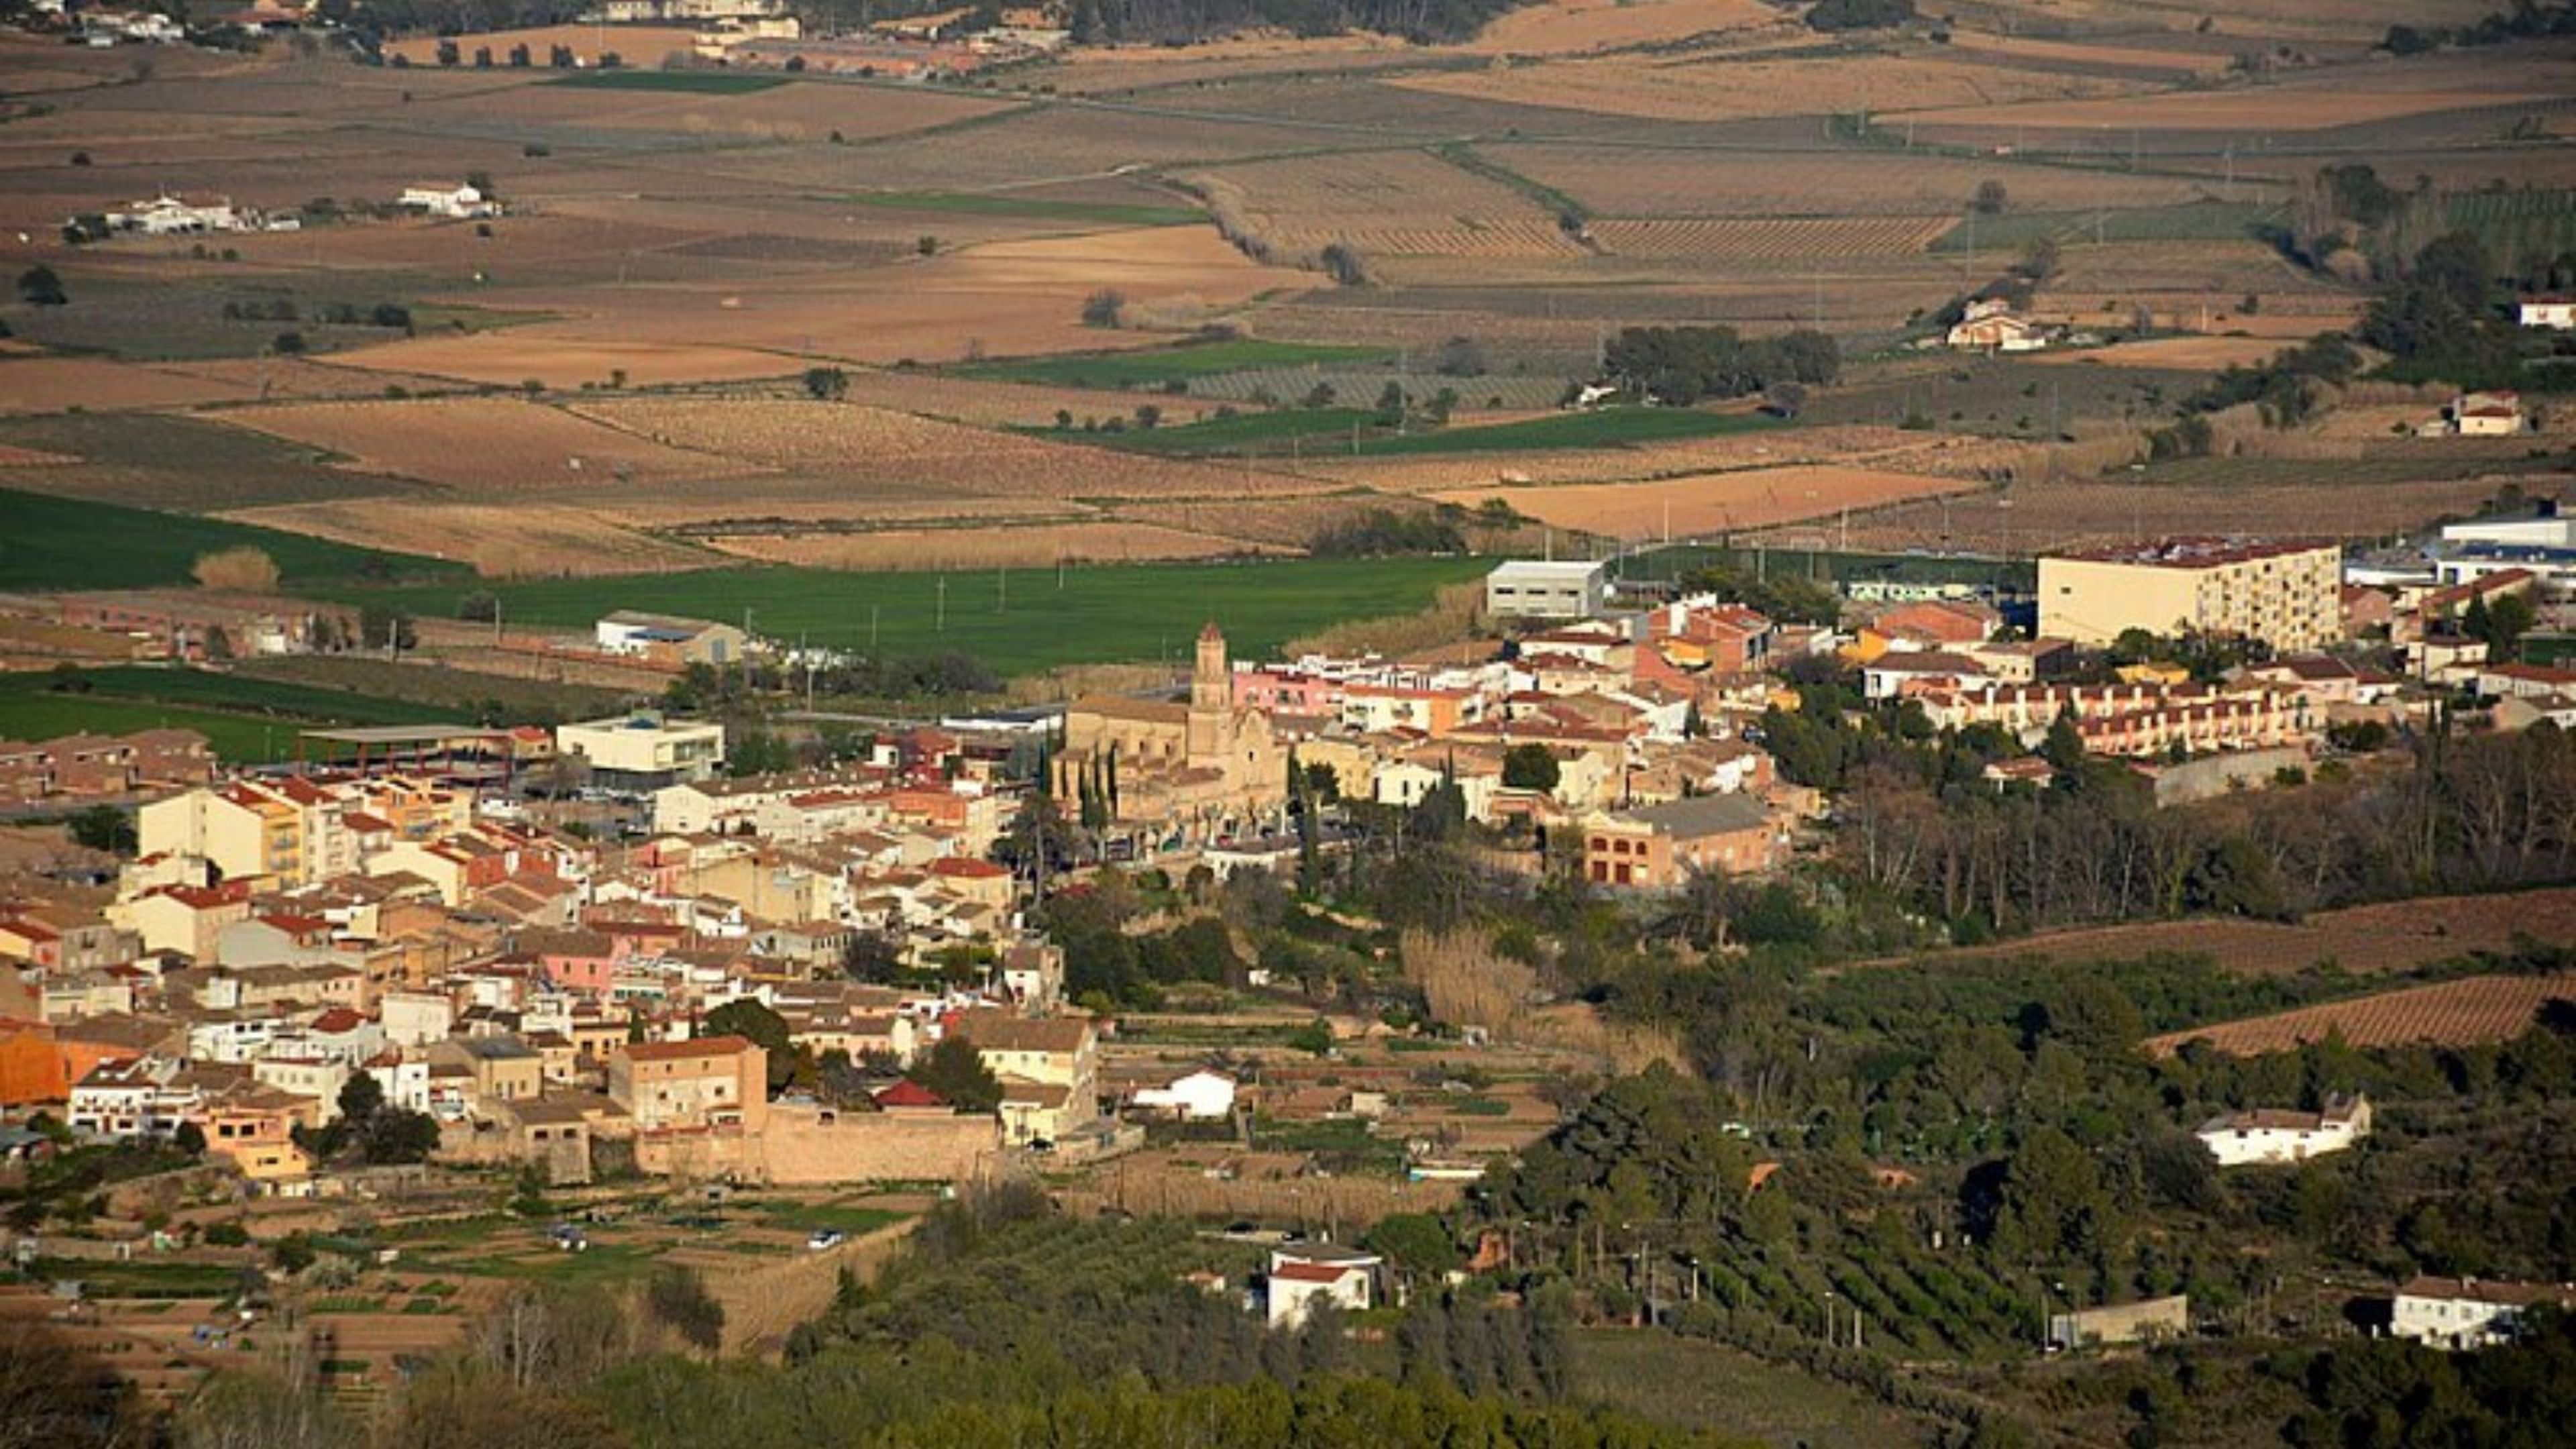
[2270,1134]
[1989,325]
[2555,313]
[1303,1274]
[461,202]
[2496,414]
[1201,1097]
[2454,1313]
[167,215]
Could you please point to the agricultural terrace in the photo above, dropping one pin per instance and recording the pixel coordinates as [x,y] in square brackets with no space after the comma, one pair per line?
[64,543]
[1017,621]
[2473,1011]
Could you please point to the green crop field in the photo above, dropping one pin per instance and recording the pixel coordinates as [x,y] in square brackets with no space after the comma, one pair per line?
[1163,365]
[245,720]
[1003,203]
[693,82]
[1018,621]
[1355,432]
[2521,229]
[65,543]
[205,689]
[1710,1387]
[1602,428]
[1314,430]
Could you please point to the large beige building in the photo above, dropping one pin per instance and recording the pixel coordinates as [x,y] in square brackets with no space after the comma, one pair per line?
[644,751]
[2283,593]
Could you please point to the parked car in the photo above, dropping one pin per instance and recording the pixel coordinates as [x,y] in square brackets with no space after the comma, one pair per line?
[823,1238]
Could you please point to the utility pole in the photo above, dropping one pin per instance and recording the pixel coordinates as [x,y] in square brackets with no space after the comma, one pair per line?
[939,623]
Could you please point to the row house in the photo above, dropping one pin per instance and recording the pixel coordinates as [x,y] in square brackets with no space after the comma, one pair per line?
[89,766]
[2247,721]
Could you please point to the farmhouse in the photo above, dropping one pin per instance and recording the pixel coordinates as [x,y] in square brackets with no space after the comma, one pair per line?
[1658,847]
[1307,1274]
[1989,325]
[2270,1134]
[2555,313]
[2494,414]
[1201,1097]
[670,639]
[2459,1313]
[167,215]
[461,202]
[2154,1318]
[1528,589]
[2283,593]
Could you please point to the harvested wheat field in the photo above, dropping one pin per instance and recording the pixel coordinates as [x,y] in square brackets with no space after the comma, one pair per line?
[2124,57]
[2040,515]
[484,445]
[1574,27]
[1740,89]
[858,449]
[1626,181]
[1807,240]
[2275,108]
[523,540]
[2473,1011]
[945,548]
[1879,447]
[2188,354]
[1387,203]
[1003,298]
[1005,404]
[519,354]
[57,384]
[1710,503]
[636,45]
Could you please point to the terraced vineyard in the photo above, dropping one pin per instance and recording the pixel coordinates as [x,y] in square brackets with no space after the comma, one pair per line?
[2473,1011]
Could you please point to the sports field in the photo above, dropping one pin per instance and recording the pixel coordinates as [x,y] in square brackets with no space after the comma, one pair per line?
[1019,621]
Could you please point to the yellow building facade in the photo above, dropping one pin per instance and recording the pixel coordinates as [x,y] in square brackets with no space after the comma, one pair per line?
[2284,594]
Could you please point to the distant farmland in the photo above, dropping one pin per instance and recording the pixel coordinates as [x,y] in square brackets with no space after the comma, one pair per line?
[1019,621]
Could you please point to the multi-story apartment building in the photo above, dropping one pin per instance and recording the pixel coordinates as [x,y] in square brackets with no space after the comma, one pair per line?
[2281,593]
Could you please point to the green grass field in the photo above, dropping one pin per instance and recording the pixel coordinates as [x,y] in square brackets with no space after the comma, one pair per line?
[204,689]
[245,720]
[238,738]
[692,82]
[1163,365]
[64,543]
[1602,428]
[1003,203]
[1018,622]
